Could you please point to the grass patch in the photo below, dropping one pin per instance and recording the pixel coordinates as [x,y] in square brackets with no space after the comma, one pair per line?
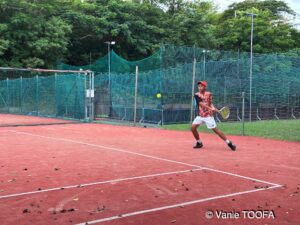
[275,129]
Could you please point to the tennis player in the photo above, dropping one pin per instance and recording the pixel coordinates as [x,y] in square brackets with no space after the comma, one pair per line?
[206,111]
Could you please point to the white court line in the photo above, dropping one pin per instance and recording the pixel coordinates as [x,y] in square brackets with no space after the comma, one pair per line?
[99,182]
[173,206]
[147,156]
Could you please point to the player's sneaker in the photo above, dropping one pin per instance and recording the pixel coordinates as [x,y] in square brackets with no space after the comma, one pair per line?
[232,146]
[198,145]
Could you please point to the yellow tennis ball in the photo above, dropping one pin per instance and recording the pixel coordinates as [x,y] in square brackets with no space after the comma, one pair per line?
[158,95]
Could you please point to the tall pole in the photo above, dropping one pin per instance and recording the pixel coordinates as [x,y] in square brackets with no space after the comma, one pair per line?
[37,95]
[251,61]
[193,84]
[204,64]
[161,86]
[251,64]
[109,85]
[108,52]
[109,75]
[135,95]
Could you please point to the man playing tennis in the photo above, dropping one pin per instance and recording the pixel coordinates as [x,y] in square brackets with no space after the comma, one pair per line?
[206,111]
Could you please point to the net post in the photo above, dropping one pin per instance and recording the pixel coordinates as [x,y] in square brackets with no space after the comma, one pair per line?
[275,113]
[257,114]
[162,109]
[91,96]
[238,114]
[125,113]
[135,94]
[162,116]
[293,116]
[193,84]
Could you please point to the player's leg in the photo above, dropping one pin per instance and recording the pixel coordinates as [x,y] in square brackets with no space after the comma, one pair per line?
[223,136]
[219,133]
[194,131]
[211,124]
[197,122]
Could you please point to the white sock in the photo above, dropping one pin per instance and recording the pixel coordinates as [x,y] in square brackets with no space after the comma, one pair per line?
[199,141]
[227,141]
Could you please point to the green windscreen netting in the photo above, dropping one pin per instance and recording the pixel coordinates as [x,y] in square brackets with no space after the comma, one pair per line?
[41,94]
[119,64]
[275,84]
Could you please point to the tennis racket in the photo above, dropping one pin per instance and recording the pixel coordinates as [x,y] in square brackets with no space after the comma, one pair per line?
[225,112]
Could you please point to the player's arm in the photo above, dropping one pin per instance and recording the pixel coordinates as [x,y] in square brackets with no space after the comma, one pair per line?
[211,106]
[214,108]
[206,107]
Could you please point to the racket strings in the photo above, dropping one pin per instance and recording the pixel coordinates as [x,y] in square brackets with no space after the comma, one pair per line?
[225,112]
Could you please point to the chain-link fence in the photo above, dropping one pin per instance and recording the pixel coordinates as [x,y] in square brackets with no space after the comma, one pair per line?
[45,93]
[173,72]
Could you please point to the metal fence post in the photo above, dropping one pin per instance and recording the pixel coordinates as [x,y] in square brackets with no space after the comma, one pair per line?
[193,84]
[135,94]
[37,94]
[21,96]
[7,94]
[243,113]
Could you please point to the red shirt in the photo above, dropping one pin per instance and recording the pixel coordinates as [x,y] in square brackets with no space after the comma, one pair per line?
[205,98]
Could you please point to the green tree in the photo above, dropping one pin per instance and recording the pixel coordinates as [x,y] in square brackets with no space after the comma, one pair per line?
[296,37]
[270,35]
[37,37]
[39,33]
[278,9]
[3,42]
[193,25]
[136,28]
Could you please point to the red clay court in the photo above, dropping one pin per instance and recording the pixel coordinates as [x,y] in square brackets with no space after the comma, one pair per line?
[104,174]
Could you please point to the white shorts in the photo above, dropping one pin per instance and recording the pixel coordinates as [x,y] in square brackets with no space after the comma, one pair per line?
[209,121]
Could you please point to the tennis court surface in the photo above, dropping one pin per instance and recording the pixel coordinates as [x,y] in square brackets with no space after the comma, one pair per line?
[105,174]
